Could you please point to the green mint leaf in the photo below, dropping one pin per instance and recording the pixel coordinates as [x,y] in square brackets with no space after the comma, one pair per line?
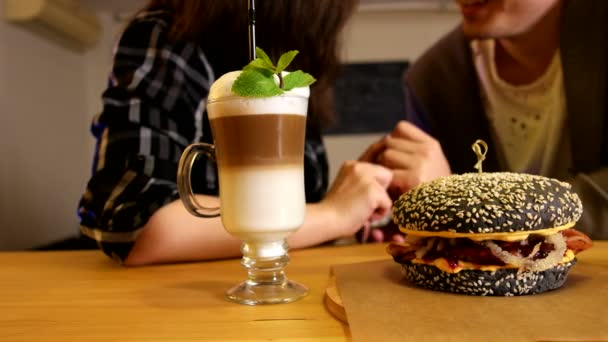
[259,63]
[297,79]
[265,72]
[259,53]
[256,83]
[285,60]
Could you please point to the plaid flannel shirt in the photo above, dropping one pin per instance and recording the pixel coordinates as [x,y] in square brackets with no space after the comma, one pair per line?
[153,108]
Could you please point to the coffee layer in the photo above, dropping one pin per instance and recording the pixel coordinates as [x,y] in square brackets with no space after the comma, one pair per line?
[260,203]
[259,140]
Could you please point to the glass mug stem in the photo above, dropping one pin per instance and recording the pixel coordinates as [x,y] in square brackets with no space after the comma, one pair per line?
[265,262]
[266,271]
[184,184]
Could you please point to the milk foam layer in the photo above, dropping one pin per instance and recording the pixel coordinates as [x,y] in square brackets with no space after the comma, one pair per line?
[262,200]
[223,102]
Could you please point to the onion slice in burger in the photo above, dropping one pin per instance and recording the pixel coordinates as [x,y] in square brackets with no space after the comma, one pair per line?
[420,253]
[528,263]
[553,258]
[504,256]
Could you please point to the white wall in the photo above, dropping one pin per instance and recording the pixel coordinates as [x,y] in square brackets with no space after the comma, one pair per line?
[387,35]
[379,35]
[43,132]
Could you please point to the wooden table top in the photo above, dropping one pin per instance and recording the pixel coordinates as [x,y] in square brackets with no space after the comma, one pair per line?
[84,296]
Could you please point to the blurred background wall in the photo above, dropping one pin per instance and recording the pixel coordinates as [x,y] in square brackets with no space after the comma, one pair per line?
[49,93]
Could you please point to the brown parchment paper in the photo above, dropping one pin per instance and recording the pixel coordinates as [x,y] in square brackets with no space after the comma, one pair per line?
[381,306]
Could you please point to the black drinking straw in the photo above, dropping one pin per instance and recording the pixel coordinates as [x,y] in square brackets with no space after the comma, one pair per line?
[251,14]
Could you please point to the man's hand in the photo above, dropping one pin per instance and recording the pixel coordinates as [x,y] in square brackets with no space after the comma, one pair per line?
[415,157]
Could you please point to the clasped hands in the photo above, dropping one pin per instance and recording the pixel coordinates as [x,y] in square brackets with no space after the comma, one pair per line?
[389,167]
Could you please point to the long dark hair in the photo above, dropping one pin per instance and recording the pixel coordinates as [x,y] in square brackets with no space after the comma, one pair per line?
[312,27]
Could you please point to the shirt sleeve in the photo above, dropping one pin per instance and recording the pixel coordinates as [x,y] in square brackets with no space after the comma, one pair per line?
[153,108]
[413,111]
[592,188]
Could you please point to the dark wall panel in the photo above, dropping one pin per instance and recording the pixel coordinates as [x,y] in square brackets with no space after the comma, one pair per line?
[369,98]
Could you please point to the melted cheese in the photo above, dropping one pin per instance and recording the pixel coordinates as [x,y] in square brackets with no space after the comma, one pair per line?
[443,265]
[502,236]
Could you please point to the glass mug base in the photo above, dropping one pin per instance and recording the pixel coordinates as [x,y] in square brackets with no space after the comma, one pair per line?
[266,282]
[250,293]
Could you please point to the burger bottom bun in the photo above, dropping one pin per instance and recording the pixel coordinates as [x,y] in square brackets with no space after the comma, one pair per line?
[502,282]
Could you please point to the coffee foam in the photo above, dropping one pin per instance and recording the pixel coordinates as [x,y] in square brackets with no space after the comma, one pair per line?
[223,102]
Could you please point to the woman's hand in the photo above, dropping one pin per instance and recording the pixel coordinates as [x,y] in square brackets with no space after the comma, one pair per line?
[358,196]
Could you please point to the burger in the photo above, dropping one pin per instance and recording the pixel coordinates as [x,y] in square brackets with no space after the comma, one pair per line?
[500,234]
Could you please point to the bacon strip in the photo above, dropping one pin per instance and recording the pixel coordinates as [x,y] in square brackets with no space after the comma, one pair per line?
[577,241]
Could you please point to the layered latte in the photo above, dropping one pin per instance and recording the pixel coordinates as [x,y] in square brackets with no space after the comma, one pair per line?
[259,149]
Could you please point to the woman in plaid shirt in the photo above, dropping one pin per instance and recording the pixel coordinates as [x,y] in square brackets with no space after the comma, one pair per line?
[165,61]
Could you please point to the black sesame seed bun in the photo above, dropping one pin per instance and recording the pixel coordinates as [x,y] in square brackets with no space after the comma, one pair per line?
[503,282]
[484,203]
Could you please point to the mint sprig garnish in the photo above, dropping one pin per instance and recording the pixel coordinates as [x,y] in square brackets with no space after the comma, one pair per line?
[257,78]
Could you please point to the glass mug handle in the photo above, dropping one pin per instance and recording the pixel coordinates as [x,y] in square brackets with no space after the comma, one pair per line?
[184,184]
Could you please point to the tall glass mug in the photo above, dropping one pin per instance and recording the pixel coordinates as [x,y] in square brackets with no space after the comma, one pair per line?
[259,150]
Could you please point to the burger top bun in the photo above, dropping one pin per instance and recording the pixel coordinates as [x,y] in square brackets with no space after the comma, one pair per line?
[501,205]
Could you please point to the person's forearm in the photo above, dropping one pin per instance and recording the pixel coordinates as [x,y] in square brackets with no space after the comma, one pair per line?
[320,225]
[174,235]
